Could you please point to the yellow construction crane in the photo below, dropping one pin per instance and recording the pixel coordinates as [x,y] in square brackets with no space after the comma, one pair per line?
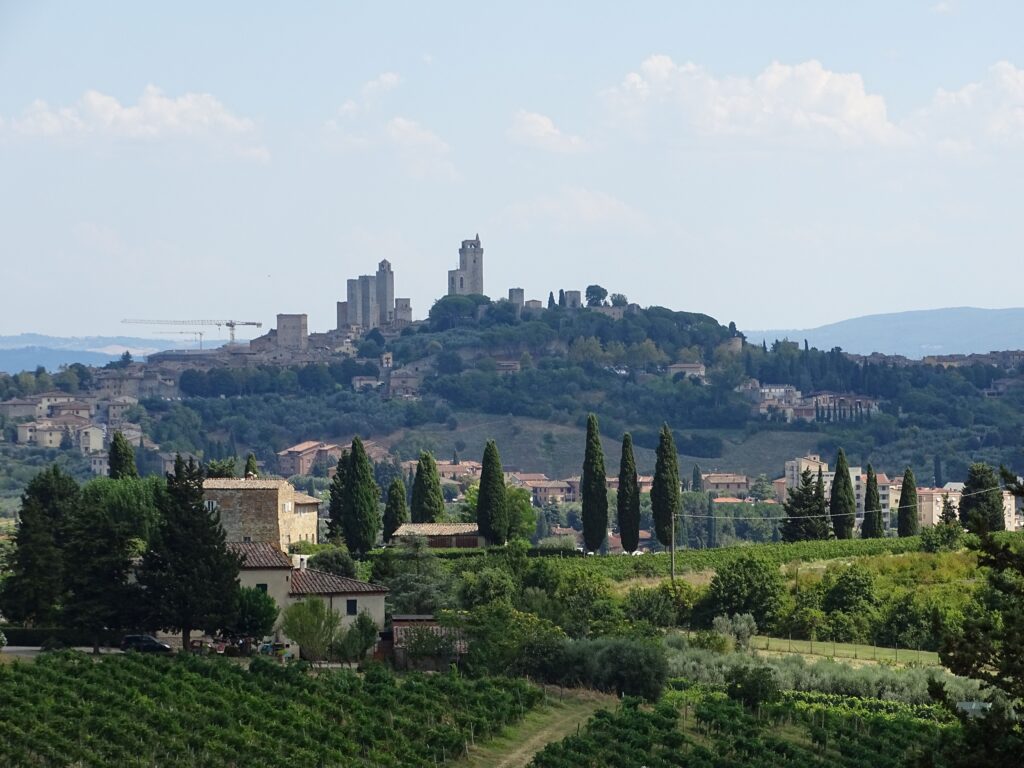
[229,324]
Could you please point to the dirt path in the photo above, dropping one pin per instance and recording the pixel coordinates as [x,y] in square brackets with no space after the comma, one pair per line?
[516,747]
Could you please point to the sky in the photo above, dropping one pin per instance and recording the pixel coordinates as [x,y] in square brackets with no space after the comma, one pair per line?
[779,165]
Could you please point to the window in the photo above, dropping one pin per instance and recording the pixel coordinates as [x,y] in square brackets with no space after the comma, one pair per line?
[262,588]
[351,607]
[211,505]
[247,539]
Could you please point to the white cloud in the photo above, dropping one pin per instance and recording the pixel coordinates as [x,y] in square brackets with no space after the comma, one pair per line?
[575,209]
[784,102]
[533,129]
[987,112]
[156,116]
[943,7]
[385,81]
[425,153]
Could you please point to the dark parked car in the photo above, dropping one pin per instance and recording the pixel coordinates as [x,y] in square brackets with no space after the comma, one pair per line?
[144,644]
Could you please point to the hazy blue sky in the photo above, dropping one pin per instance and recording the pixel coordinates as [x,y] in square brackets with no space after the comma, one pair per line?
[776,164]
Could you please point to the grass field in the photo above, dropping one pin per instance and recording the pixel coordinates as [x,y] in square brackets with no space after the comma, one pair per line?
[868,653]
[565,713]
[557,449]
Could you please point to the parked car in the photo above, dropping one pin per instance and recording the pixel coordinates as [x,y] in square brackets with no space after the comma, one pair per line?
[144,644]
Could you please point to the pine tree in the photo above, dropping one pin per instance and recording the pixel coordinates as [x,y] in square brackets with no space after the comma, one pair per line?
[251,469]
[121,458]
[981,504]
[907,516]
[842,507]
[492,512]
[337,511]
[361,519]
[697,483]
[665,488]
[872,526]
[940,481]
[594,490]
[427,500]
[31,593]
[628,501]
[948,515]
[712,522]
[188,574]
[97,558]
[396,512]
[805,511]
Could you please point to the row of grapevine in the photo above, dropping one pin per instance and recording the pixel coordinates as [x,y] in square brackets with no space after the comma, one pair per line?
[186,711]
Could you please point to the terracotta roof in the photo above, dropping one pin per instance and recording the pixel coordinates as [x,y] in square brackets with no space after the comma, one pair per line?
[438,529]
[306,446]
[260,554]
[309,581]
[228,483]
[302,498]
[728,500]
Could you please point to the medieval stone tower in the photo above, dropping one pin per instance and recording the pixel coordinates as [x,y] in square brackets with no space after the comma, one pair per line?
[469,277]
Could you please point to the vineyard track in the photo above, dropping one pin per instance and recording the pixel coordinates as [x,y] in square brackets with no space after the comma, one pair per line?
[516,746]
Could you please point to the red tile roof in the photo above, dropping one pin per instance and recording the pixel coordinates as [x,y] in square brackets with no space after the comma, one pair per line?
[437,529]
[260,554]
[309,581]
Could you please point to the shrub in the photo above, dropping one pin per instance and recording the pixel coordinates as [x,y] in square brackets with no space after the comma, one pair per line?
[752,686]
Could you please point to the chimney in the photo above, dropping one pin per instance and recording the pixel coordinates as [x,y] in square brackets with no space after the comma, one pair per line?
[299,561]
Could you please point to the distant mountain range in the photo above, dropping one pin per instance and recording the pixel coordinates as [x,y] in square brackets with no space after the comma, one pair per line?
[955,330]
[27,351]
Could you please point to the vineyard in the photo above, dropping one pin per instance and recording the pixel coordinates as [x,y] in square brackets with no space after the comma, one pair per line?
[698,728]
[186,711]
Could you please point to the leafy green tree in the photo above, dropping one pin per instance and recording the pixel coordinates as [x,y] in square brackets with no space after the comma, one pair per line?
[337,507]
[594,490]
[748,584]
[842,506]
[97,561]
[361,521]
[806,514]
[522,515]
[32,592]
[334,560]
[358,639]
[628,498]
[131,501]
[872,527]
[396,513]
[907,524]
[762,489]
[981,503]
[665,488]
[492,506]
[121,457]
[188,573]
[313,625]
[619,300]
[221,467]
[697,480]
[595,295]
[251,468]
[427,500]
[255,616]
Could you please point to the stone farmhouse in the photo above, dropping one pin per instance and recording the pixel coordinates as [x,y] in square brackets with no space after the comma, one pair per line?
[257,510]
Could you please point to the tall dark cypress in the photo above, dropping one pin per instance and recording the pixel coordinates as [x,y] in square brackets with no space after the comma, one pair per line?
[821,506]
[551,300]
[712,522]
[594,490]
[937,468]
[337,507]
[121,458]
[361,521]
[251,468]
[873,526]
[628,501]
[697,481]
[665,488]
[427,500]
[492,507]
[396,511]
[907,524]
[842,503]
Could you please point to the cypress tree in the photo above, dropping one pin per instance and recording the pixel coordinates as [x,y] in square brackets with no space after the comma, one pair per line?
[842,505]
[427,500]
[873,526]
[665,488]
[822,528]
[628,501]
[594,490]
[697,482]
[251,469]
[396,512]
[361,521]
[805,511]
[551,300]
[981,505]
[338,499]
[492,507]
[561,298]
[907,517]
[712,522]
[937,465]
[189,575]
[121,458]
